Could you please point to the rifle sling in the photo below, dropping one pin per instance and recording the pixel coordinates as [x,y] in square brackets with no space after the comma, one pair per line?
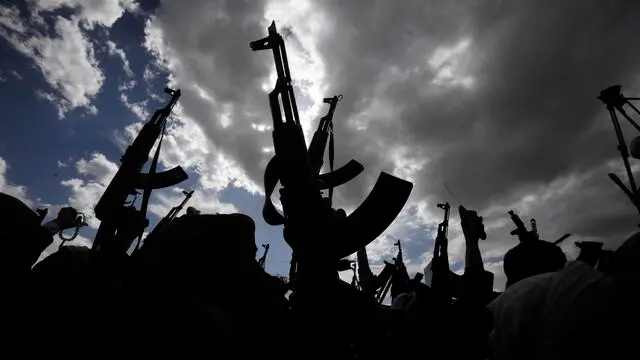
[331,156]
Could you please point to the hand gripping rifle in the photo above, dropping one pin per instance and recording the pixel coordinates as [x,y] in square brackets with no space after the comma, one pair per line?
[521,231]
[305,211]
[121,224]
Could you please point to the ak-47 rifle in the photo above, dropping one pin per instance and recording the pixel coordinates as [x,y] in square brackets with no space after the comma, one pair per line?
[316,151]
[173,212]
[306,213]
[440,281]
[367,279]
[527,235]
[120,224]
[400,277]
[399,258]
[318,145]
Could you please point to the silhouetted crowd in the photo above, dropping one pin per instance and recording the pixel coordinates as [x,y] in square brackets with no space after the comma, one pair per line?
[195,289]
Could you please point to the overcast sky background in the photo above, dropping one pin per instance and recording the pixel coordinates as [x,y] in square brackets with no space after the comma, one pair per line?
[496,99]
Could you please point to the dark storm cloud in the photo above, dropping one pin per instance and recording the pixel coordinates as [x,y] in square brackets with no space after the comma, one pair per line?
[538,67]
[210,40]
[528,120]
[531,116]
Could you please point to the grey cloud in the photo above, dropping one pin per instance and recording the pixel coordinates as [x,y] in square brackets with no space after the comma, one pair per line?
[538,67]
[530,118]
[587,205]
[211,43]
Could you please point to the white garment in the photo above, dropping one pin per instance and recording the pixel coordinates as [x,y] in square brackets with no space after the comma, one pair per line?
[555,315]
[403,301]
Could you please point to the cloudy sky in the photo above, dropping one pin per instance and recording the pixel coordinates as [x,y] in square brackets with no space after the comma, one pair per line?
[497,100]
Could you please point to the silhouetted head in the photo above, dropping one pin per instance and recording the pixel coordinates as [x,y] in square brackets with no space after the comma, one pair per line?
[625,263]
[532,258]
[202,243]
[23,239]
[624,267]
[210,256]
[200,272]
[61,279]
[68,260]
[192,211]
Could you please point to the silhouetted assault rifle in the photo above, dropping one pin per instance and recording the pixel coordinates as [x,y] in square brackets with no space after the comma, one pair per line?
[527,235]
[441,278]
[173,212]
[400,278]
[317,148]
[307,215]
[367,280]
[120,224]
